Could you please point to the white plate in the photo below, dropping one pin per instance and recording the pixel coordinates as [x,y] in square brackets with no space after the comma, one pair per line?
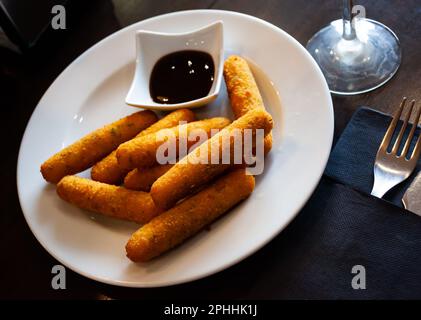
[90,93]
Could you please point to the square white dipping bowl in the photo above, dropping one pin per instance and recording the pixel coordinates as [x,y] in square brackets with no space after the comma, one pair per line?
[151,46]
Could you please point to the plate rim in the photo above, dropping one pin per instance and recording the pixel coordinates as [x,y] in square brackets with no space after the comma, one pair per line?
[223,266]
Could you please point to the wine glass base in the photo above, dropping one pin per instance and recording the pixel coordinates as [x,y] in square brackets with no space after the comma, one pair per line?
[359,65]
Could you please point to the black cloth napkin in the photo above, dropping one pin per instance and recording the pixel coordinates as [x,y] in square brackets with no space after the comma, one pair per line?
[352,160]
[338,229]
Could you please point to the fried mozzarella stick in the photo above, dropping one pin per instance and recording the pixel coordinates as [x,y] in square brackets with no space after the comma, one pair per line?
[94,146]
[141,179]
[112,201]
[189,217]
[142,151]
[242,90]
[197,169]
[108,171]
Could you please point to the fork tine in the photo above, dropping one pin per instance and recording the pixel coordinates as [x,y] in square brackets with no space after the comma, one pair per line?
[417,150]
[392,126]
[411,133]
[402,131]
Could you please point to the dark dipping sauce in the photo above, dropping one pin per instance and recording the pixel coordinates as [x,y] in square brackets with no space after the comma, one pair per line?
[182,76]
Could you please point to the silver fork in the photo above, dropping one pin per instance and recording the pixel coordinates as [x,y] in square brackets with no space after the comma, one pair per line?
[390,168]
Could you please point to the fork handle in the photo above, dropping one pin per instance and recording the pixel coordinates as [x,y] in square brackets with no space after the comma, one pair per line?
[379,190]
[384,184]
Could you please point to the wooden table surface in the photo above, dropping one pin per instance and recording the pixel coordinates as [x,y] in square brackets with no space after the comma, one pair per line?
[25,265]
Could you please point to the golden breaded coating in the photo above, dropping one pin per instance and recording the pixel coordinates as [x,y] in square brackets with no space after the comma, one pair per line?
[142,151]
[189,217]
[242,90]
[192,171]
[94,146]
[108,171]
[113,201]
[141,179]
[241,87]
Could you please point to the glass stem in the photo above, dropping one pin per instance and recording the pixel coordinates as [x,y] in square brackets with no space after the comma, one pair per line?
[348,21]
